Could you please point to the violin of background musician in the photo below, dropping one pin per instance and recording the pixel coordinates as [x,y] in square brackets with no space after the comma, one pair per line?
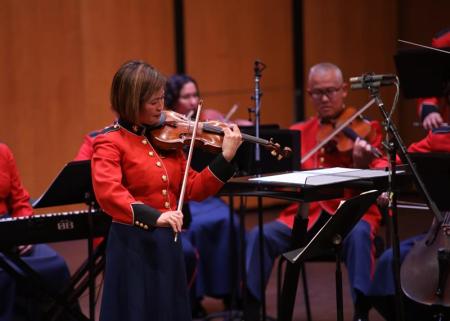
[343,141]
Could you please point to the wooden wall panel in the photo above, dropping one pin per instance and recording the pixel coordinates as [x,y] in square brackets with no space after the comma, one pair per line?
[358,36]
[223,39]
[57,62]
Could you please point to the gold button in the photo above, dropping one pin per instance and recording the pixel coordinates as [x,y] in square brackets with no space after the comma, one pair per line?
[164,178]
[151,153]
[322,150]
[321,159]
[136,222]
[166,205]
[146,226]
[158,163]
[144,141]
[164,192]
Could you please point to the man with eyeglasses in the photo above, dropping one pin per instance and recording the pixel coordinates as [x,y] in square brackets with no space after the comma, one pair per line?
[327,91]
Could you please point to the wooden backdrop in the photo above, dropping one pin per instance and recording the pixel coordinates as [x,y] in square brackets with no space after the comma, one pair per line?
[58,58]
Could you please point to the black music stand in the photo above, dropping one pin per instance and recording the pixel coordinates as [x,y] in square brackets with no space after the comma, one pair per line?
[331,235]
[434,168]
[423,72]
[73,185]
[245,161]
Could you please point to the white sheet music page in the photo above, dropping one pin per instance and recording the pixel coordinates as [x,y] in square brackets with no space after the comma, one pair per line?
[308,177]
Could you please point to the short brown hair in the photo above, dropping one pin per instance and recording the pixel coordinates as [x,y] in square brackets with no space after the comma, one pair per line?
[133,84]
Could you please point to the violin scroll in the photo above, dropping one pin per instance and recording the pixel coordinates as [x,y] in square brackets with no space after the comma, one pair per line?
[279,152]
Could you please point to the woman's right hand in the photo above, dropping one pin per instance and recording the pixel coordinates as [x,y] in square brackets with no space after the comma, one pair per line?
[173,219]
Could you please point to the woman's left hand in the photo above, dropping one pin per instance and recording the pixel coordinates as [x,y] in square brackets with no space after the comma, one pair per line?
[231,141]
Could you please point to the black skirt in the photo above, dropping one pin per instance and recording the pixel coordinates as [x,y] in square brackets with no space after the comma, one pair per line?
[145,276]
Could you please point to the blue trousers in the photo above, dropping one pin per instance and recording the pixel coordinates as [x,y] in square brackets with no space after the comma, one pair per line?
[383,280]
[357,254]
[49,265]
[210,235]
[145,277]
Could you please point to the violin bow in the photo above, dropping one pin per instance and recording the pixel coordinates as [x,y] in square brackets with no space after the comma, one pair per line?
[423,46]
[188,162]
[231,112]
[336,131]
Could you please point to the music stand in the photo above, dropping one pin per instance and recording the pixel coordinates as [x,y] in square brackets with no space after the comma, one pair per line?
[423,72]
[331,235]
[245,161]
[73,185]
[434,168]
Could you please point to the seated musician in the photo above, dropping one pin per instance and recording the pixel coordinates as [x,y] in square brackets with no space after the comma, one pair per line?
[435,111]
[209,231]
[328,91]
[19,300]
[383,286]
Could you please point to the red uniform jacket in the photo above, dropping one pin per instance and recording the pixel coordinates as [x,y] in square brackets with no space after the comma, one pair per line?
[435,141]
[322,159]
[14,199]
[134,183]
[426,106]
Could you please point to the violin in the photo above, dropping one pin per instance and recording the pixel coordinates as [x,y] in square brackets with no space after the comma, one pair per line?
[343,140]
[340,134]
[176,131]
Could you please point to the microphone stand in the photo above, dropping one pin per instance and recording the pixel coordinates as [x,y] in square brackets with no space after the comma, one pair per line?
[258,68]
[395,146]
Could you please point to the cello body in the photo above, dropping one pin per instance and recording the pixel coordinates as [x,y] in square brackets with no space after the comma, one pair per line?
[425,270]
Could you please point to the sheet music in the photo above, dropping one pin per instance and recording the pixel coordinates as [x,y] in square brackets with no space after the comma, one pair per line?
[323,176]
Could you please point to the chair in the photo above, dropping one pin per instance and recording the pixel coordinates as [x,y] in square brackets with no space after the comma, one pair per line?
[327,256]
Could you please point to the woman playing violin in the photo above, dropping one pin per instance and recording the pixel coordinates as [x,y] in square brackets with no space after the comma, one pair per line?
[210,226]
[138,186]
[327,91]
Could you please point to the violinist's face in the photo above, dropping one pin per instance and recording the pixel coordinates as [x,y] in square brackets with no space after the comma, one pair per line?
[150,113]
[327,92]
[188,99]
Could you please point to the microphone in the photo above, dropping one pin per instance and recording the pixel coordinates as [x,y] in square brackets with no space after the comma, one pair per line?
[372,80]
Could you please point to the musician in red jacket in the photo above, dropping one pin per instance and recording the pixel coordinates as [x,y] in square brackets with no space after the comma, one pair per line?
[15,202]
[383,287]
[328,92]
[139,185]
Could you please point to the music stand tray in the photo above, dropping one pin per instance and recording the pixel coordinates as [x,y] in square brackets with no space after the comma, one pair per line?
[73,185]
[422,72]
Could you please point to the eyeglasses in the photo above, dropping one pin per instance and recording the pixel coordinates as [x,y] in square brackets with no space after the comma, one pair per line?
[329,92]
